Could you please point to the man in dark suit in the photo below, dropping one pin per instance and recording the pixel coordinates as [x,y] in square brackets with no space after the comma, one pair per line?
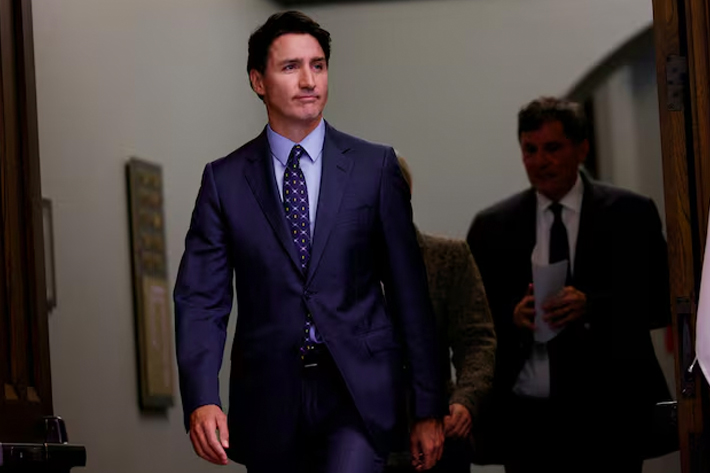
[306,223]
[583,400]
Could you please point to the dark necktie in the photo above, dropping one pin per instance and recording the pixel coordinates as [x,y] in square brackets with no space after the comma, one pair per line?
[559,244]
[295,200]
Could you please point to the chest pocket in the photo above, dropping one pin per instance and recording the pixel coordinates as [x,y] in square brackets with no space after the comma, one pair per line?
[355,217]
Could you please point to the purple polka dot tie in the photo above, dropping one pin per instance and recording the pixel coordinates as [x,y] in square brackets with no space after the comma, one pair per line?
[295,200]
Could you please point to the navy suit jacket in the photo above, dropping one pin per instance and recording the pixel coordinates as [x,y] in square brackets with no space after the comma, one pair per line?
[238,238]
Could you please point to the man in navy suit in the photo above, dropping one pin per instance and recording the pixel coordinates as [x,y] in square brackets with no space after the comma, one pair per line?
[307,224]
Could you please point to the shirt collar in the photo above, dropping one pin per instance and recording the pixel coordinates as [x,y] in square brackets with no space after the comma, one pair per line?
[572,200]
[281,146]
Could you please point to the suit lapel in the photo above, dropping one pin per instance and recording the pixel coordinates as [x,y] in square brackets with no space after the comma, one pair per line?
[585,233]
[336,170]
[527,219]
[528,230]
[260,176]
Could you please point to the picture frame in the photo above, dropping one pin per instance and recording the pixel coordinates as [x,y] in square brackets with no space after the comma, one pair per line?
[152,310]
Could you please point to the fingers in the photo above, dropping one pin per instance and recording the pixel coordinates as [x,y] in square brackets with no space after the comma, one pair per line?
[525,318]
[429,456]
[438,450]
[449,425]
[223,431]
[457,429]
[210,446]
[524,313]
[557,302]
[452,424]
[417,453]
[197,445]
[463,426]
[568,295]
[204,423]
[571,316]
[427,445]
[562,306]
[201,444]
[527,321]
[556,315]
[462,429]
[459,424]
[563,315]
[466,430]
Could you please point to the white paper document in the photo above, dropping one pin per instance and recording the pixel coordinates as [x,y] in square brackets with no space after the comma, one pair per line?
[702,324]
[548,281]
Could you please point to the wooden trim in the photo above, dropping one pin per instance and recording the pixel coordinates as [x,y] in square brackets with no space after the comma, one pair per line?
[33,207]
[699,70]
[4,287]
[25,371]
[677,205]
[12,193]
[682,151]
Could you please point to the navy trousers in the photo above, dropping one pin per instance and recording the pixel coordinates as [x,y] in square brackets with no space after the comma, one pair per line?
[332,437]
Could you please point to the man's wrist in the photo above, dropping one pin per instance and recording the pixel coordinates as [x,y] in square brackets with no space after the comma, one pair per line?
[422,420]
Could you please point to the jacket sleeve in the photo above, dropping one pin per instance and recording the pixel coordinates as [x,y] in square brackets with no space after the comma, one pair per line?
[471,334]
[407,291]
[203,301]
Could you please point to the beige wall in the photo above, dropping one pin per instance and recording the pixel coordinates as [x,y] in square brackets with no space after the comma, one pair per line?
[164,80]
[442,82]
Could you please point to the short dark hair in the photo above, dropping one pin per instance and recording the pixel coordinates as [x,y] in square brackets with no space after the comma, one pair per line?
[551,109]
[280,24]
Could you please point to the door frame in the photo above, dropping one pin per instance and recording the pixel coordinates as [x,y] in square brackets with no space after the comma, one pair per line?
[682,60]
[25,379]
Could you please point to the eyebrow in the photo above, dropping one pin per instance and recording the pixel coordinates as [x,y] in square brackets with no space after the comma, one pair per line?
[300,60]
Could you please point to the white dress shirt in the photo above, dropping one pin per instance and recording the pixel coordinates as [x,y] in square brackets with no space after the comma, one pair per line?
[534,379]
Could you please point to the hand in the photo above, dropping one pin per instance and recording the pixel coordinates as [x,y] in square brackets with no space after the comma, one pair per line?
[204,422]
[568,306]
[458,423]
[524,312]
[426,443]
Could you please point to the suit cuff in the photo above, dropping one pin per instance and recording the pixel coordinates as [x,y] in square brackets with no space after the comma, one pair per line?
[428,407]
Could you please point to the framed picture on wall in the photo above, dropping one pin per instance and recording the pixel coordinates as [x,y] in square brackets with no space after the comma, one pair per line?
[151,295]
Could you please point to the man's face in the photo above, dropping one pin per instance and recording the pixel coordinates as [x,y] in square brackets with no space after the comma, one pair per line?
[551,159]
[295,83]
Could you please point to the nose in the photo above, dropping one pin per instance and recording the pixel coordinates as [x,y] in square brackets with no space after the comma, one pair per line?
[537,160]
[307,80]
[541,158]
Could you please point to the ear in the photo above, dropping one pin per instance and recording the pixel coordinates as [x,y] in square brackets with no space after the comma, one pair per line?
[257,82]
